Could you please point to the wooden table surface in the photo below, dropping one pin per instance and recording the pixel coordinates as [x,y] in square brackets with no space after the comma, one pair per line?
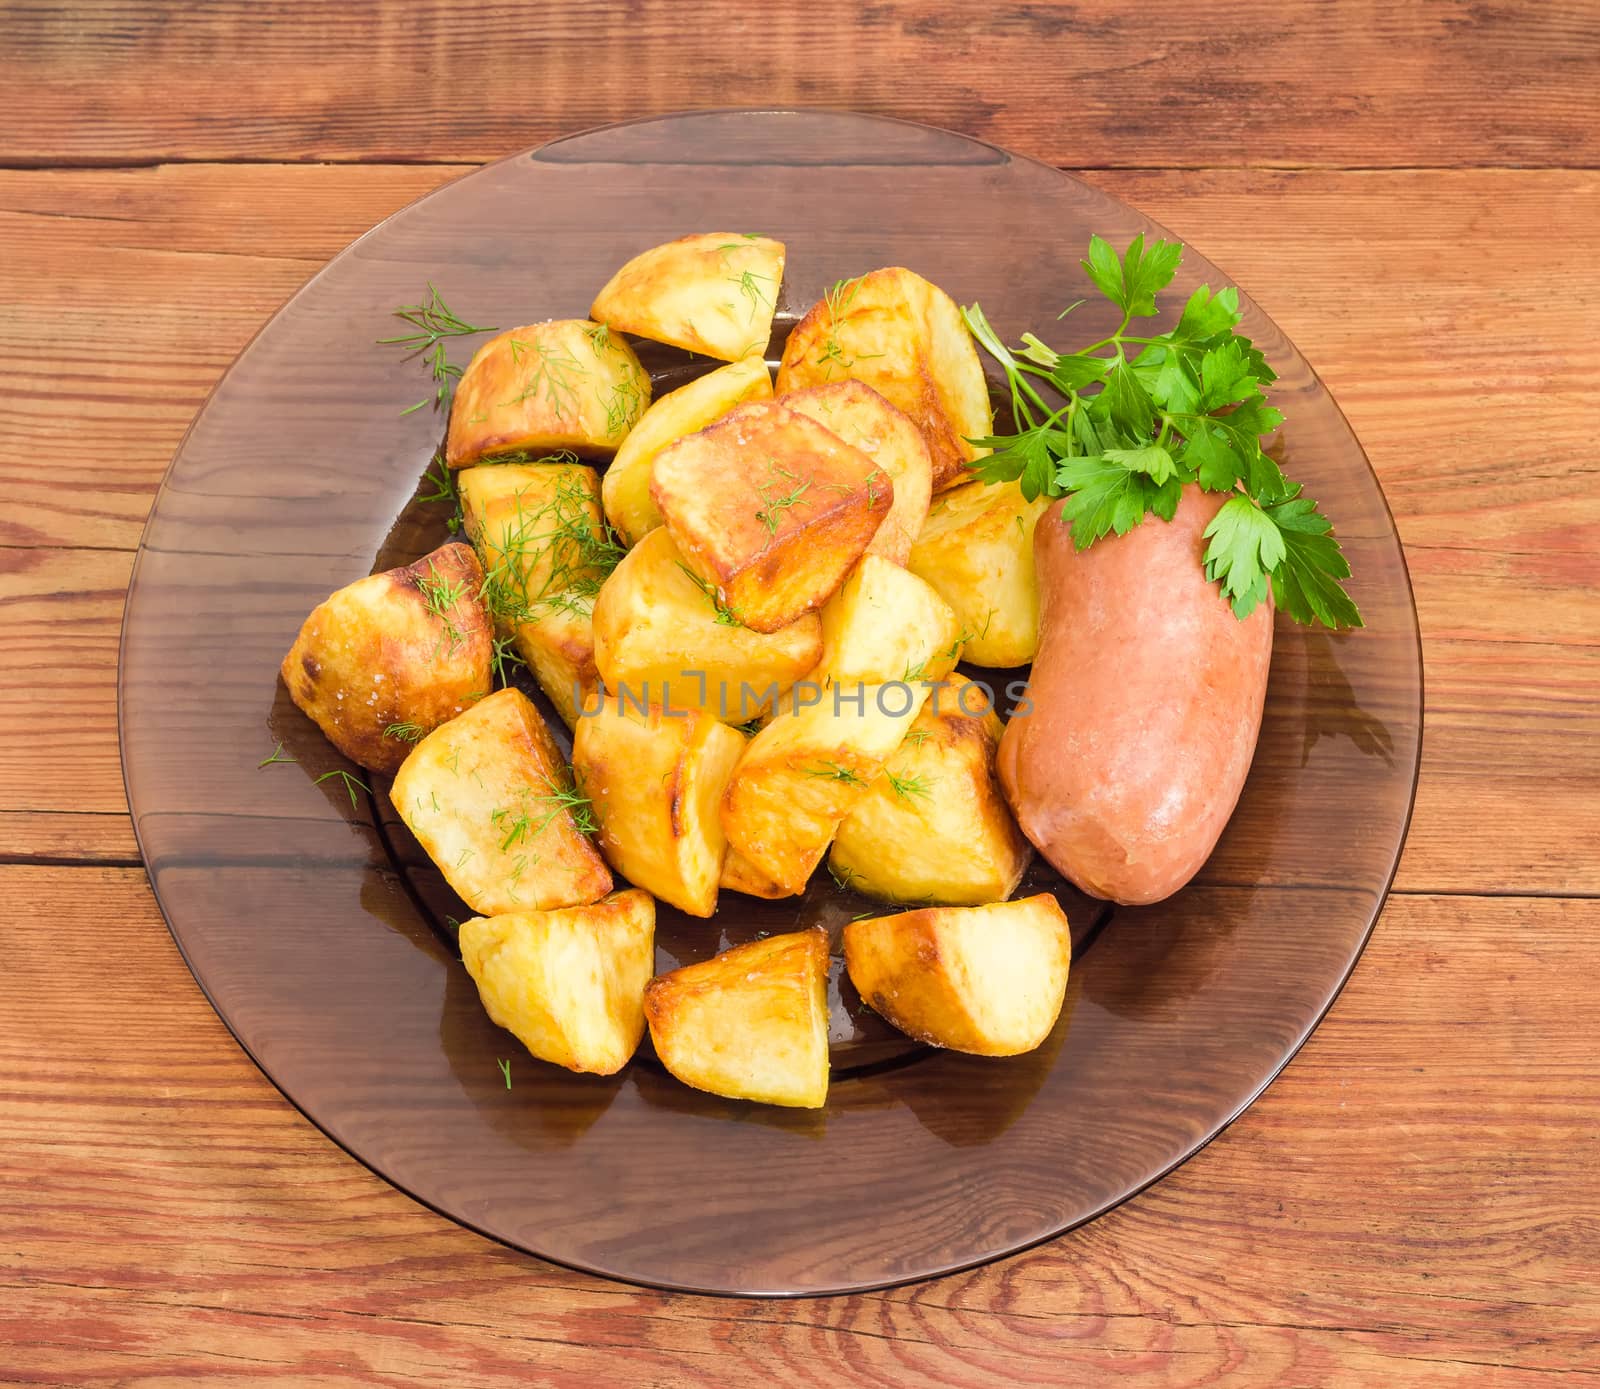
[1410,190]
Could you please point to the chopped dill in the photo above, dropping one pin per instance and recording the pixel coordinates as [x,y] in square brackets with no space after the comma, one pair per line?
[832,771]
[907,787]
[726,616]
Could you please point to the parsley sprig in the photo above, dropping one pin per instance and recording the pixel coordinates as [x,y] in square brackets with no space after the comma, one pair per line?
[1120,426]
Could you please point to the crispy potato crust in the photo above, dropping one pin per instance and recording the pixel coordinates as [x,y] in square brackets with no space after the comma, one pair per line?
[389,658]
[904,337]
[655,782]
[770,510]
[569,983]
[712,293]
[565,384]
[539,532]
[685,411]
[864,419]
[489,798]
[988,980]
[659,636]
[977,550]
[935,826]
[751,1023]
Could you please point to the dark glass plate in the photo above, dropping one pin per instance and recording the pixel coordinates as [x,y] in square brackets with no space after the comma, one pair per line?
[322,937]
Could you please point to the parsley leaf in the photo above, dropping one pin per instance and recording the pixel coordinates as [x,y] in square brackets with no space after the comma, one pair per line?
[1246,546]
[1307,585]
[1188,407]
[1028,457]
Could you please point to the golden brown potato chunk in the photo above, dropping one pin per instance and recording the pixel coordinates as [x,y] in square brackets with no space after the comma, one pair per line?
[389,658]
[977,550]
[655,782]
[489,798]
[862,417]
[887,624]
[987,980]
[740,875]
[569,983]
[662,639]
[802,773]
[904,337]
[685,411]
[935,826]
[887,637]
[545,551]
[750,1023]
[713,293]
[566,384]
[770,510]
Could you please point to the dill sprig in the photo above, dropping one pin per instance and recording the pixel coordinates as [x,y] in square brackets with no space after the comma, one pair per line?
[774,507]
[443,480]
[404,732]
[440,596]
[433,323]
[832,771]
[276,755]
[843,877]
[838,300]
[351,783]
[552,375]
[550,556]
[524,823]
[726,616]
[504,659]
[908,787]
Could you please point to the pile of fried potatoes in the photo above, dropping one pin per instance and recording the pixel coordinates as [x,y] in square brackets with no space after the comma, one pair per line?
[750,622]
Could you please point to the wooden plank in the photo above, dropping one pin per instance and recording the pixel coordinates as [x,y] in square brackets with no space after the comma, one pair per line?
[1341,1231]
[1086,85]
[67,837]
[60,620]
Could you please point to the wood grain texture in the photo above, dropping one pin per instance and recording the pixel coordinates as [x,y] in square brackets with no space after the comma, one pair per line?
[1446,82]
[229,1238]
[1413,1202]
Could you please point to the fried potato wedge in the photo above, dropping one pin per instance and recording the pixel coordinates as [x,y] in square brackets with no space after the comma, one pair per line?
[803,772]
[904,337]
[568,983]
[740,875]
[887,624]
[660,638]
[489,798]
[389,658]
[655,783]
[977,550]
[685,411]
[712,293]
[559,650]
[566,384]
[750,1023]
[935,826]
[538,530]
[988,980]
[862,417]
[770,510]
